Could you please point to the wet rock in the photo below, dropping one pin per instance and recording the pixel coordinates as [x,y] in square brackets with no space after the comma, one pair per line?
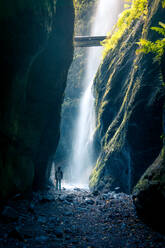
[5,236]
[58,220]
[67,230]
[54,219]
[62,198]
[16,234]
[81,209]
[59,233]
[70,198]
[67,237]
[42,219]
[68,213]
[117,189]
[46,198]
[42,238]
[66,202]
[75,242]
[90,201]
[9,214]
[17,197]
[95,193]
[31,208]
[83,204]
[74,228]
[77,189]
[148,195]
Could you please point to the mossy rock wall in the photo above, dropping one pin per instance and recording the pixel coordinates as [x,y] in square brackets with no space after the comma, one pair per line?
[129,103]
[149,194]
[36,52]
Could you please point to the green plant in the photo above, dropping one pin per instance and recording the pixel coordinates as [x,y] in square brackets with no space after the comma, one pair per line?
[138,9]
[157,47]
[163,3]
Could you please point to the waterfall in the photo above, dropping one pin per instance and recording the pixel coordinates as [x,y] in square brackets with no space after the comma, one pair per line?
[81,160]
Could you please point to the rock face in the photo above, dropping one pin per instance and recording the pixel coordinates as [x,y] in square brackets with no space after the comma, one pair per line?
[149,193]
[36,52]
[129,102]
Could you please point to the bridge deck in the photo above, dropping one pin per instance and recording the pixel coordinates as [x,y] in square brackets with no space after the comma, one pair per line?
[88,41]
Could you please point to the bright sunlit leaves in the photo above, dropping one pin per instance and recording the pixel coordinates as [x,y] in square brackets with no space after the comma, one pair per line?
[163,3]
[156,47]
[135,10]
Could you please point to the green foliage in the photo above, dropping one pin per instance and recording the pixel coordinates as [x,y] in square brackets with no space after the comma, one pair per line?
[163,3]
[138,9]
[156,47]
[160,30]
[82,5]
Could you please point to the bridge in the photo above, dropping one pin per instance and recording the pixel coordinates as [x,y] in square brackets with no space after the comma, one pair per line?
[88,41]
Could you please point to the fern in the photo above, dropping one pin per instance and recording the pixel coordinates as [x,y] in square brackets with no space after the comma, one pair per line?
[156,47]
[160,30]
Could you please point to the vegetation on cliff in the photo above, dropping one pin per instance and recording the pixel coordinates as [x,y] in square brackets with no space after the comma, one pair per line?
[136,9]
[129,100]
[156,47]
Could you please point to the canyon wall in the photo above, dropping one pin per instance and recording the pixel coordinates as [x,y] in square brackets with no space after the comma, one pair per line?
[36,52]
[129,93]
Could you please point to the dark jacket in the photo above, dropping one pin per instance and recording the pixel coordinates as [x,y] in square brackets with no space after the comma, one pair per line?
[59,175]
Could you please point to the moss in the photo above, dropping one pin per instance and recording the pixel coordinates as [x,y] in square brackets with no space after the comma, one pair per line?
[163,3]
[127,91]
[138,9]
[95,175]
[154,175]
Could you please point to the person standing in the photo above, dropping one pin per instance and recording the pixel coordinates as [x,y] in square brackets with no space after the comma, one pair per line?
[58,177]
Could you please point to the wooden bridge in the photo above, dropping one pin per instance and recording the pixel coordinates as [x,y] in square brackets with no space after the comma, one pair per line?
[88,41]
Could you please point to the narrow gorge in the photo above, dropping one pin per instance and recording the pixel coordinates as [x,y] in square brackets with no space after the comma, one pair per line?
[96,111]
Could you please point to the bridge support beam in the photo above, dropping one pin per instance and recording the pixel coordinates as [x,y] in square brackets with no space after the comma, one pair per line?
[88,41]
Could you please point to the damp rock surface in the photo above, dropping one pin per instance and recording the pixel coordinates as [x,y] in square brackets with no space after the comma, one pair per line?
[110,221]
[129,107]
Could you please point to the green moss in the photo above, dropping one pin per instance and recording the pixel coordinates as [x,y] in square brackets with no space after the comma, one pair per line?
[141,185]
[138,9]
[163,152]
[163,3]
[82,5]
[154,175]
[95,175]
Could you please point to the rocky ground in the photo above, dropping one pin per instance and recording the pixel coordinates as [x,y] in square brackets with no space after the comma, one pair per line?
[75,218]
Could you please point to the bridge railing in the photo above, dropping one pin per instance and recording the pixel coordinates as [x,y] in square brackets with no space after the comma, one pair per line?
[88,41]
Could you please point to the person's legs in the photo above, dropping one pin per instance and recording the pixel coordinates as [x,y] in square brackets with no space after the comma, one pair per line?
[56,184]
[60,184]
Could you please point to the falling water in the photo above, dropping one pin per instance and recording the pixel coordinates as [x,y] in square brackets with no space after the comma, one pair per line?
[82,159]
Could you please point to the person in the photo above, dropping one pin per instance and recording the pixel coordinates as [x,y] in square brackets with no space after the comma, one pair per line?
[58,177]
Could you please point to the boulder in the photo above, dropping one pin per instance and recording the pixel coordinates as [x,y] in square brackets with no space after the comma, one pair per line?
[9,214]
[149,194]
